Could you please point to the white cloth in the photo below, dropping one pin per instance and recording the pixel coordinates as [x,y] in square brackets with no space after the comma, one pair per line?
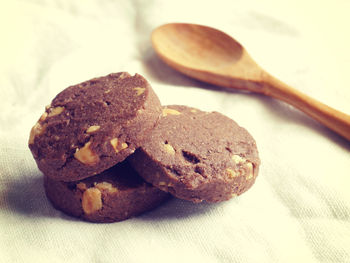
[299,208]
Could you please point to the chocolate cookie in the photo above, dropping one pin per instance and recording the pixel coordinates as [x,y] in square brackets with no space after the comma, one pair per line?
[114,195]
[195,155]
[91,126]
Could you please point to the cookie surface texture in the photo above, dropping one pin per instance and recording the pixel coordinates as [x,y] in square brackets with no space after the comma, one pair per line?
[91,126]
[114,195]
[197,156]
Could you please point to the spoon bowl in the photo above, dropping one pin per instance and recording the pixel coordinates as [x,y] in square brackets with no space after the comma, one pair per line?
[197,48]
[212,56]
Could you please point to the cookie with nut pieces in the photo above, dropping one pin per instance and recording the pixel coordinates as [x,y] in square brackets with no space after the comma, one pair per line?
[198,156]
[91,126]
[114,195]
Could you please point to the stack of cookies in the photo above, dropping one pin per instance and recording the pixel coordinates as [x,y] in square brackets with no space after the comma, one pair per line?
[109,151]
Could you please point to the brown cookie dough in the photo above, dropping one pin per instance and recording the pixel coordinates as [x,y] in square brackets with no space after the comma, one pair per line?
[115,195]
[91,126]
[195,155]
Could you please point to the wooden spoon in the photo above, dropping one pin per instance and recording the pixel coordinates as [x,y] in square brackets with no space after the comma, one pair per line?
[212,56]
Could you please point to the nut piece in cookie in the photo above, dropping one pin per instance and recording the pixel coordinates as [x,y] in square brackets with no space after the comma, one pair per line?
[86,156]
[91,200]
[169,111]
[93,128]
[37,130]
[117,145]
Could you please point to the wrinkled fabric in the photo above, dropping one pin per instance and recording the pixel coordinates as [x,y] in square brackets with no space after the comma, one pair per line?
[299,208]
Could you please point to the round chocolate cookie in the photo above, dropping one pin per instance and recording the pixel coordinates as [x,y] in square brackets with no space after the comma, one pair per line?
[91,126]
[196,156]
[114,195]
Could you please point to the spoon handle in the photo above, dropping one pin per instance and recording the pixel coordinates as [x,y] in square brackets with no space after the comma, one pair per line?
[331,118]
